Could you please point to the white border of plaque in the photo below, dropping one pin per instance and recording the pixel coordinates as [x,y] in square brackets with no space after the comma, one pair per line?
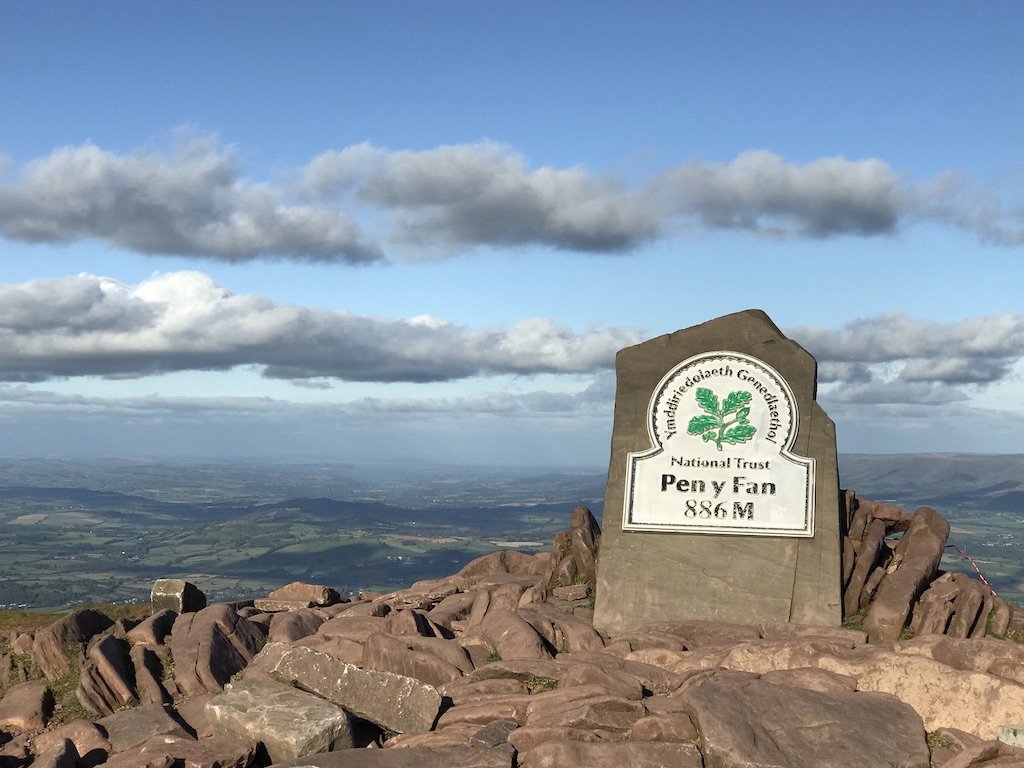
[721,426]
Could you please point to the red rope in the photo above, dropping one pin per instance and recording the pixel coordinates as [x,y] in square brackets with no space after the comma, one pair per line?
[974,565]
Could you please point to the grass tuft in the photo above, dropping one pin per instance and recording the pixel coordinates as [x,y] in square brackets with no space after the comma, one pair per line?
[856,621]
[536,683]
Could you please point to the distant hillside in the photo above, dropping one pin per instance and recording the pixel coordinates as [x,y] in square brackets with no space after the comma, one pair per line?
[942,480]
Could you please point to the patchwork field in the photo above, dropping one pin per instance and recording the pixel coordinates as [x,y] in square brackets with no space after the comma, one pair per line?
[61,547]
[103,532]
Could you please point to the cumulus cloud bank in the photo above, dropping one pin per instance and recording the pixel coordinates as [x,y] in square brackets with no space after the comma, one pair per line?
[87,325]
[191,203]
[461,196]
[360,203]
[892,358]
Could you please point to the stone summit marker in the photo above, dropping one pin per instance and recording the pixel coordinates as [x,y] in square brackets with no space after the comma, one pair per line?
[722,499]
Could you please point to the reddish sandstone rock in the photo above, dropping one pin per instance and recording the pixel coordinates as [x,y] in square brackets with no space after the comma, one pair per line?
[454,607]
[107,681]
[505,597]
[131,728]
[593,712]
[920,551]
[289,626]
[483,712]
[867,559]
[894,516]
[530,737]
[505,561]
[410,621]
[569,633]
[934,609]
[289,722]
[76,629]
[148,664]
[26,707]
[91,743]
[978,654]
[654,679]
[395,702]
[943,696]
[210,646]
[752,723]
[338,647]
[558,754]
[614,681]
[812,679]
[674,727]
[572,592]
[314,594]
[701,633]
[154,629]
[999,621]
[458,735]
[62,754]
[513,637]
[413,757]
[365,608]
[970,610]
[175,751]
[467,690]
[355,628]
[431,660]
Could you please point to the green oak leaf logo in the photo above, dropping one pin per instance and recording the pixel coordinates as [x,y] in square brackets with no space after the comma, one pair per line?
[715,424]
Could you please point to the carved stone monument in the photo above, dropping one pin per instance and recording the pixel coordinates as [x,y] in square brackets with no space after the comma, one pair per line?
[722,499]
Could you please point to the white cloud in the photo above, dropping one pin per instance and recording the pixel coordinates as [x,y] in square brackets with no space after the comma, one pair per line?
[760,191]
[976,349]
[88,326]
[892,358]
[952,199]
[192,202]
[355,204]
[482,194]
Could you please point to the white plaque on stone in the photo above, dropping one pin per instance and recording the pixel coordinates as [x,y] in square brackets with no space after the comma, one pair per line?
[721,426]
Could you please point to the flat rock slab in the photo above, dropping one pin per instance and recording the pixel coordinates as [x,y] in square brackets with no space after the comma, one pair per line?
[290,723]
[749,723]
[392,701]
[132,727]
[60,755]
[944,697]
[409,757]
[562,754]
[317,594]
[174,751]
[90,740]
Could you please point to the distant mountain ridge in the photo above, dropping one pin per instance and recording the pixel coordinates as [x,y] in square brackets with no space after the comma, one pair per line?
[990,481]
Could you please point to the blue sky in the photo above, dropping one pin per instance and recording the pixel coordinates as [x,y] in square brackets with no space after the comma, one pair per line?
[421,230]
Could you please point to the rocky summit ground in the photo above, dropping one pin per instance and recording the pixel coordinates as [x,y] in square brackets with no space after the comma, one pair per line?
[499,665]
